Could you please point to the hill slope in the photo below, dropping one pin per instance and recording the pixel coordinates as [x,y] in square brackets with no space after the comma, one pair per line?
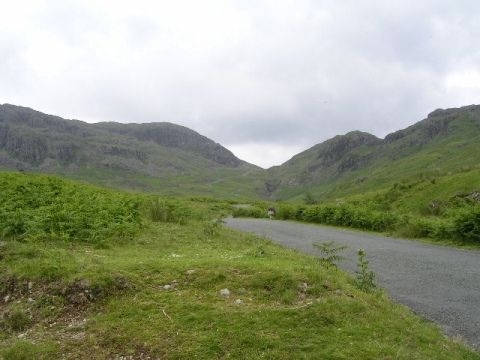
[155,156]
[447,141]
[172,159]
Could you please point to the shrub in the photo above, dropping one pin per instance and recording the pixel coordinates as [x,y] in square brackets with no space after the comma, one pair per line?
[250,211]
[23,350]
[169,211]
[365,279]
[16,321]
[211,228]
[330,252]
[347,215]
[467,225]
[285,212]
[45,207]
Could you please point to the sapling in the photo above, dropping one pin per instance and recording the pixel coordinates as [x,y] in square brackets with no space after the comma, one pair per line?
[365,279]
[330,252]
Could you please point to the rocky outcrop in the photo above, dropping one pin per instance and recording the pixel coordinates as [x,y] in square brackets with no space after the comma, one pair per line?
[39,140]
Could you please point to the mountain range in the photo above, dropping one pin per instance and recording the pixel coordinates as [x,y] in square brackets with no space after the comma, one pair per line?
[171,159]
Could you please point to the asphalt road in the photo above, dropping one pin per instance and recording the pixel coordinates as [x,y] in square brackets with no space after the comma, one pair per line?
[440,283]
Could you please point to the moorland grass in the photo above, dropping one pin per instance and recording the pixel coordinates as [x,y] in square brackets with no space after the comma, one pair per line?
[156,294]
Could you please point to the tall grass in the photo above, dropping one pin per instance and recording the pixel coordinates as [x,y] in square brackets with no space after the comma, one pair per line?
[44,207]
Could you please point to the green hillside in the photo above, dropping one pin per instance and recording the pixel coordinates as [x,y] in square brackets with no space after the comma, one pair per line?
[90,273]
[173,160]
[155,157]
[447,142]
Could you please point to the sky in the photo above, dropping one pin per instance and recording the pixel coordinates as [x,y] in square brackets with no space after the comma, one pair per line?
[265,78]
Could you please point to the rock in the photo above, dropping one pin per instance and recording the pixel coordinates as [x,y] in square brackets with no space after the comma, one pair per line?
[79,298]
[6,299]
[303,287]
[167,287]
[225,293]
[190,272]
[30,300]
[30,285]
[84,284]
[238,302]
[78,336]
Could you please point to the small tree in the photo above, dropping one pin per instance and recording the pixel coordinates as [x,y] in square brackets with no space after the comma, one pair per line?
[330,252]
[365,279]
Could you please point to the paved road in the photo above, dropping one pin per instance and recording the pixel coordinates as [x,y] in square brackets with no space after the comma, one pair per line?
[440,283]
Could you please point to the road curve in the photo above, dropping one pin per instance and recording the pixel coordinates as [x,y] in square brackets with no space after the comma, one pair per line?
[437,282]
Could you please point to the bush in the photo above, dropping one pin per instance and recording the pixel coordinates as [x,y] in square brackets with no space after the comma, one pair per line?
[45,207]
[365,279]
[16,321]
[467,225]
[286,212]
[347,215]
[211,228]
[23,350]
[330,253]
[250,211]
[169,211]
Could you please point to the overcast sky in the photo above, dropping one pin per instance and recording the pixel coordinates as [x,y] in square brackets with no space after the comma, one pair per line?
[265,78]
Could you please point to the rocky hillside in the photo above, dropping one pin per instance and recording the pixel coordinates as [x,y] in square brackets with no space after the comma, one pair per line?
[172,159]
[446,141]
[155,156]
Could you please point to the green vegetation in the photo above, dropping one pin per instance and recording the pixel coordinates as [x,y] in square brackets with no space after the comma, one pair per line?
[444,144]
[152,289]
[365,279]
[155,157]
[38,207]
[330,252]
[443,208]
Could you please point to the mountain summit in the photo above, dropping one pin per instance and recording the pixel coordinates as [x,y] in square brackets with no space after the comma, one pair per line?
[168,158]
[447,140]
[153,156]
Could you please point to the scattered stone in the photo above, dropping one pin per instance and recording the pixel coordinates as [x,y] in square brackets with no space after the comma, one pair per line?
[474,196]
[6,299]
[78,336]
[190,272]
[30,299]
[225,293]
[303,287]
[84,284]
[78,298]
[174,282]
[167,287]
[30,285]
[238,302]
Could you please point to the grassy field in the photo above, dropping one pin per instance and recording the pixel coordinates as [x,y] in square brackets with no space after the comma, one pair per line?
[143,280]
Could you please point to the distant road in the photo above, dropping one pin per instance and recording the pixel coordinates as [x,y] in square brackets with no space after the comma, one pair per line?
[440,283]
